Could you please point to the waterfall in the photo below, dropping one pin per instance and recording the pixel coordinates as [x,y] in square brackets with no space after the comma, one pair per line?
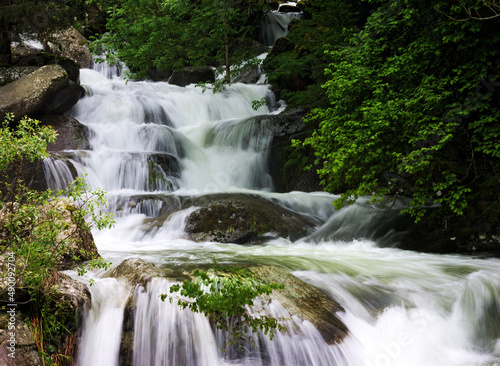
[275,25]
[100,343]
[156,146]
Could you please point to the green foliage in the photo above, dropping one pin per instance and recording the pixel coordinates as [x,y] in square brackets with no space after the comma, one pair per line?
[413,98]
[43,229]
[169,35]
[39,226]
[223,296]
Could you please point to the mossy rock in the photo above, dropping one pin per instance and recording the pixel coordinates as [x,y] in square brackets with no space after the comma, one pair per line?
[245,219]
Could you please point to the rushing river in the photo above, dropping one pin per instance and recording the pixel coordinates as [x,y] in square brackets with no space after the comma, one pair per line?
[401,307]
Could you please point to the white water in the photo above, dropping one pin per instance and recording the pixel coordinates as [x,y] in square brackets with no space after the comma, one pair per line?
[402,308]
[275,25]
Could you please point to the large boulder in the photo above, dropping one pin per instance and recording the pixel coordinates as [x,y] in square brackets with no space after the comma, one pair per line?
[192,75]
[301,300]
[69,299]
[245,219]
[47,90]
[69,43]
[73,245]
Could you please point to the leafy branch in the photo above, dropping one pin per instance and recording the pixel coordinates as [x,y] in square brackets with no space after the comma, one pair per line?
[224,297]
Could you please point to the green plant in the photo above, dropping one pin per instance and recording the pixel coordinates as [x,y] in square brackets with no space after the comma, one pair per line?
[45,231]
[223,295]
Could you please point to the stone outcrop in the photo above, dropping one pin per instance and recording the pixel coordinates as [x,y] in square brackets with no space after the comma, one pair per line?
[44,91]
[69,43]
[39,59]
[192,75]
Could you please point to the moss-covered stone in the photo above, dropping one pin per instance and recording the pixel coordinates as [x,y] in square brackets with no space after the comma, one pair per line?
[245,219]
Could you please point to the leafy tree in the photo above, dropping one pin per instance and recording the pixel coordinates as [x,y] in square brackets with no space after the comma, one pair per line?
[223,296]
[413,108]
[168,35]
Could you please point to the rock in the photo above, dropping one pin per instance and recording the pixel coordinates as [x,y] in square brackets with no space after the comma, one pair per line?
[305,301]
[44,91]
[192,75]
[274,5]
[247,75]
[245,219]
[137,271]
[287,8]
[25,352]
[71,134]
[69,43]
[10,74]
[163,169]
[72,298]
[157,75]
[43,59]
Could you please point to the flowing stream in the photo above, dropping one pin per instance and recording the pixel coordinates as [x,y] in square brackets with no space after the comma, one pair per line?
[154,143]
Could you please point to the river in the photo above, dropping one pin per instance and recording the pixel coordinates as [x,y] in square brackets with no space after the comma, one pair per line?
[401,307]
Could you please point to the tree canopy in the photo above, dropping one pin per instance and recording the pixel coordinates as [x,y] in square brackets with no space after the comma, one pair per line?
[169,35]
[413,109]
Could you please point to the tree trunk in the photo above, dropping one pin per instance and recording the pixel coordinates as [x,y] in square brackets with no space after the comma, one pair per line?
[5,52]
[228,65]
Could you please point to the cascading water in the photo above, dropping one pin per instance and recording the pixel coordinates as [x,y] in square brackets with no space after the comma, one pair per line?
[155,144]
[275,25]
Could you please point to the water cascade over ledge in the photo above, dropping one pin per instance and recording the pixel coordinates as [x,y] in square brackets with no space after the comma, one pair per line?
[158,148]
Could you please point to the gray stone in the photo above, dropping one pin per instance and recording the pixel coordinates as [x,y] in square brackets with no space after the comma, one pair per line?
[305,301]
[46,90]
[245,219]
[71,134]
[69,43]
[25,353]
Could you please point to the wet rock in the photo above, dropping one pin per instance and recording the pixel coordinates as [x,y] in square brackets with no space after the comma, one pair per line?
[305,301]
[138,271]
[245,219]
[46,90]
[192,75]
[71,134]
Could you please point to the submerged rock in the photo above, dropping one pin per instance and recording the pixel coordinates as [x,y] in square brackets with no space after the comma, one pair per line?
[298,298]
